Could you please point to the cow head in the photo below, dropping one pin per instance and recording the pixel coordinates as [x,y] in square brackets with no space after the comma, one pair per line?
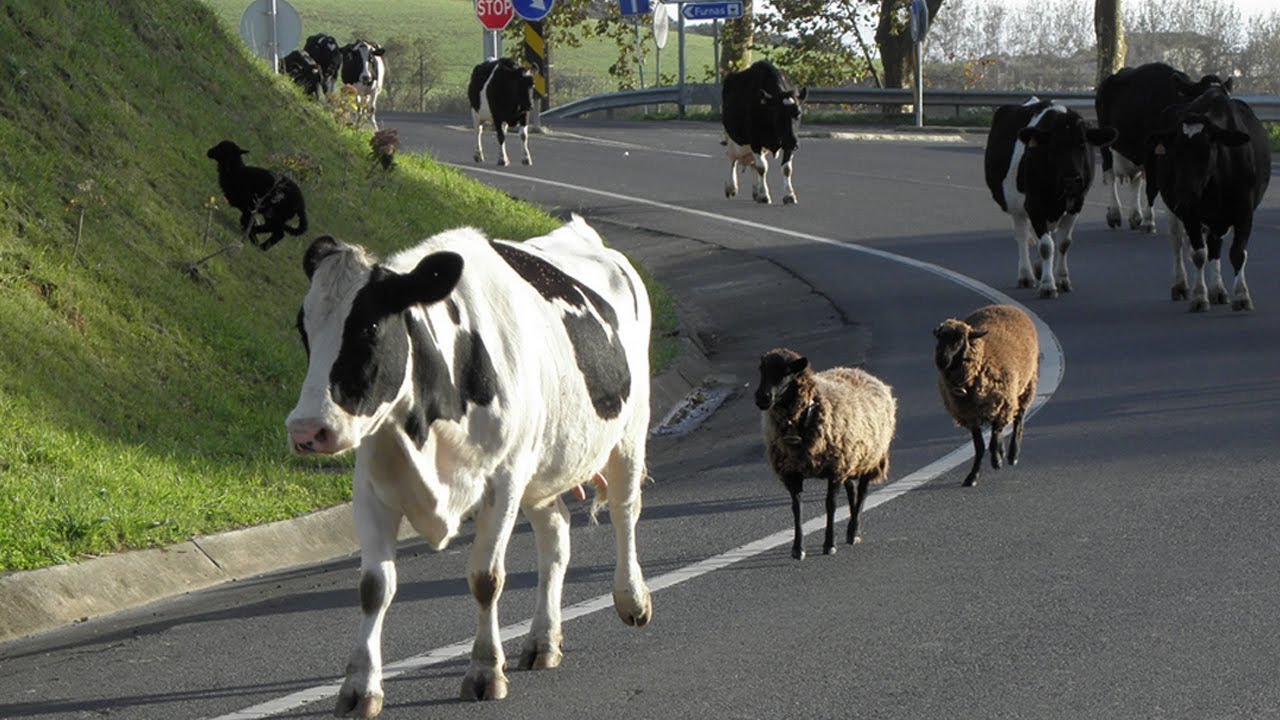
[778,370]
[1060,151]
[305,71]
[1188,154]
[1190,90]
[358,67]
[785,108]
[354,324]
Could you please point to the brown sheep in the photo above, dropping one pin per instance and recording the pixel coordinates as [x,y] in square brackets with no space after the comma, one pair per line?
[835,425]
[988,364]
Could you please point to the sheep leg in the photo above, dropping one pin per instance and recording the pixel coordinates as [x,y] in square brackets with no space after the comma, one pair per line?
[829,540]
[1015,439]
[978,449]
[856,498]
[795,484]
[997,446]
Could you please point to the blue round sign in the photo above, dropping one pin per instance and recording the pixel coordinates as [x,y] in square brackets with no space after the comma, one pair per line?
[532,10]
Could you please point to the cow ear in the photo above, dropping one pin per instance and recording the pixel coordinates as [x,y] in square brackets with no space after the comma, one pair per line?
[1101,137]
[433,279]
[803,94]
[1032,136]
[379,50]
[321,248]
[1182,84]
[765,96]
[1227,84]
[1231,138]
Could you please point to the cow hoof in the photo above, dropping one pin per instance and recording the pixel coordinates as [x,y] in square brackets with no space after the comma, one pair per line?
[1135,221]
[764,200]
[531,658]
[970,481]
[797,553]
[730,190]
[1049,293]
[527,161]
[1242,304]
[1064,285]
[635,610]
[1199,306]
[1218,297]
[1179,292]
[349,705]
[1148,228]
[789,200]
[503,163]
[479,157]
[1026,283]
[1113,217]
[483,686]
[829,549]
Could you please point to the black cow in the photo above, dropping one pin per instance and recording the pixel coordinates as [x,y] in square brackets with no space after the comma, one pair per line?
[1214,167]
[1131,101]
[500,93]
[364,69]
[761,112]
[305,72]
[325,51]
[1039,165]
[254,190]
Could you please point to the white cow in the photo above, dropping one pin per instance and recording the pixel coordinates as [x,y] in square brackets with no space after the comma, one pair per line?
[478,378]
[364,69]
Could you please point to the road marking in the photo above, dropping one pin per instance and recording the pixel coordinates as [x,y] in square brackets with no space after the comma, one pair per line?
[570,137]
[1052,366]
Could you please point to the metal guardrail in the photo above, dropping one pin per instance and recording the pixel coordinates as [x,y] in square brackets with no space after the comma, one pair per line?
[1267,107]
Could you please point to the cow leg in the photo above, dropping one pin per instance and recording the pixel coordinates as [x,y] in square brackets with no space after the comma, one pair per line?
[760,188]
[978,449]
[376,527]
[731,187]
[1199,256]
[1240,298]
[795,485]
[1217,289]
[541,649]
[1178,289]
[1044,269]
[829,538]
[524,142]
[501,129]
[1062,276]
[486,574]
[479,154]
[625,472]
[790,197]
[1114,209]
[1146,212]
[1022,236]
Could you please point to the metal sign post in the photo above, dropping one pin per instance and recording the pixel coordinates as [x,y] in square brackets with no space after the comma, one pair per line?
[919,27]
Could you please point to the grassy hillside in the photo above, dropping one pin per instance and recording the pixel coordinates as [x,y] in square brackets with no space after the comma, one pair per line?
[453,38]
[142,402]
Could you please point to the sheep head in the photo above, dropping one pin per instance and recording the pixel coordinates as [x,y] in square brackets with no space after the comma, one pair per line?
[955,346]
[779,369]
[227,153]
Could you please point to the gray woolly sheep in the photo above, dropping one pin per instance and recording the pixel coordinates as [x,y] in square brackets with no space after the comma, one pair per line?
[988,364]
[835,425]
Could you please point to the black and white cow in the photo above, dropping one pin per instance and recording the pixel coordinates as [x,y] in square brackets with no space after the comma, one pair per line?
[325,51]
[1131,101]
[1214,167]
[500,93]
[304,71]
[760,110]
[1039,165]
[364,69]
[478,378]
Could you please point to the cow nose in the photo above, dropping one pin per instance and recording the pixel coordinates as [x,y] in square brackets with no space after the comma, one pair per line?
[308,437]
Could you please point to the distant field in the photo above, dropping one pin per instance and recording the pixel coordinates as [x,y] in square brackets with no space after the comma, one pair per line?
[454,38]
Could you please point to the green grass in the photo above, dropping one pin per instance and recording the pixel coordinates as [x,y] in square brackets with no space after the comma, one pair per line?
[142,403]
[454,35]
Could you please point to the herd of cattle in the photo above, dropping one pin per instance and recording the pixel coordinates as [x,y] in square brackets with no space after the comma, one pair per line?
[479,378]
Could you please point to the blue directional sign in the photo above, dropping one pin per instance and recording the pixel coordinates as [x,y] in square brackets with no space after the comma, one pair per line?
[634,7]
[532,10]
[711,10]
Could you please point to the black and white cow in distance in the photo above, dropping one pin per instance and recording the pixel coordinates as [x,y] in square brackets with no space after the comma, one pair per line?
[364,69]
[760,110]
[1214,167]
[500,93]
[1039,165]
[478,378]
[325,51]
[305,72]
[1131,101]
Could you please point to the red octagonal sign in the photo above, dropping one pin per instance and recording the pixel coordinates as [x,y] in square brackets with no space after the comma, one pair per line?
[494,14]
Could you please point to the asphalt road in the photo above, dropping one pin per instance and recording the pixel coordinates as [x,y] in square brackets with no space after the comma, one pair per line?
[1127,568]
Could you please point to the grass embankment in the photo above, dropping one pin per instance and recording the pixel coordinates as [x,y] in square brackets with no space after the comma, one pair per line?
[142,403]
[453,38]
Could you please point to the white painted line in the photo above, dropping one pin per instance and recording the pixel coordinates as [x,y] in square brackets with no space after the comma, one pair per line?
[1052,366]
[565,136]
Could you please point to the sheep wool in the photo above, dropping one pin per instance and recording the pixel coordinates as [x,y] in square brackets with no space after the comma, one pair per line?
[988,365]
[835,425]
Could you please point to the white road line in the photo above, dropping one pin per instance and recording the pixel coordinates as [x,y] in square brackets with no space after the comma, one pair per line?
[1052,366]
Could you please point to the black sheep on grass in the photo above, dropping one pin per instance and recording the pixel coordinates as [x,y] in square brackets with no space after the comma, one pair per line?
[254,190]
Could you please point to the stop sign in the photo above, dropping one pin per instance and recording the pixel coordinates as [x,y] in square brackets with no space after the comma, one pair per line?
[494,14]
